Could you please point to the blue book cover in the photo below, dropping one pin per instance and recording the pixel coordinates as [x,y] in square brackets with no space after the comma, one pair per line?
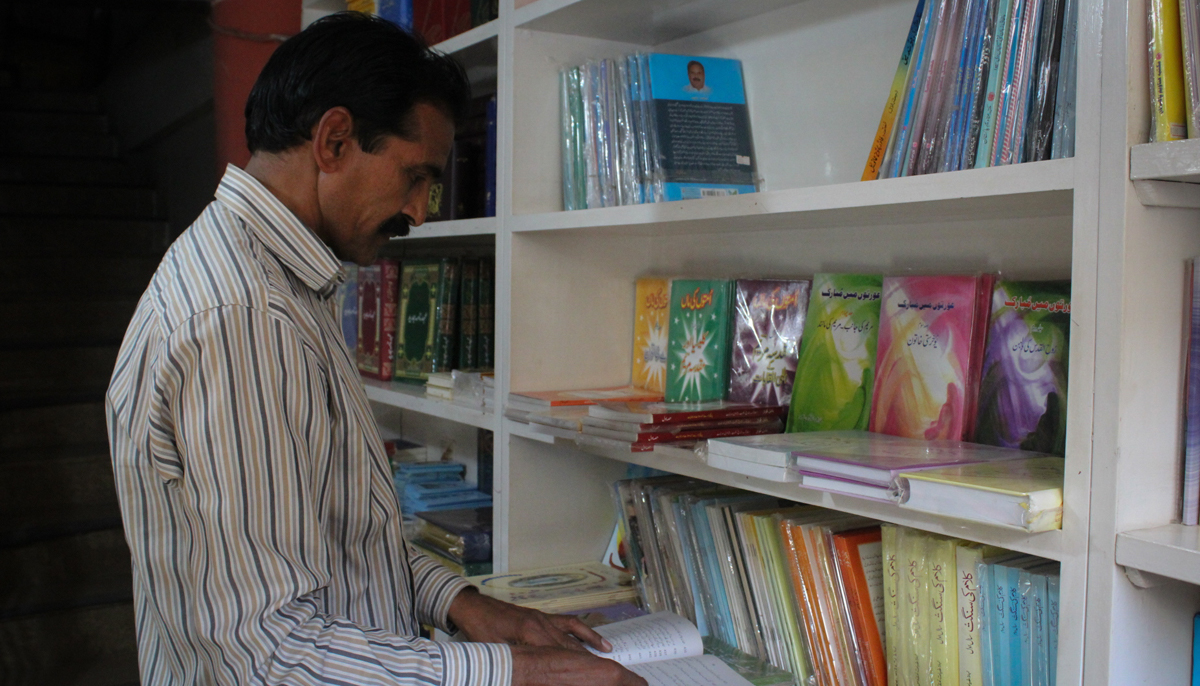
[489,162]
[1001,627]
[917,73]
[1013,591]
[349,302]
[427,489]
[1196,650]
[722,627]
[703,126]
[1025,590]
[1038,619]
[1052,588]
[399,12]
[681,513]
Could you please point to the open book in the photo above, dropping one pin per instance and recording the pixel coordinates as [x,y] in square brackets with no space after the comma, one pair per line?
[666,650]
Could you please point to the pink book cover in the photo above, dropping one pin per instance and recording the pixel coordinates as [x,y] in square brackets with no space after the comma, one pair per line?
[931,332]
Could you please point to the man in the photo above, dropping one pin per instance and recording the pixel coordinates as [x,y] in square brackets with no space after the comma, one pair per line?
[257,499]
[695,83]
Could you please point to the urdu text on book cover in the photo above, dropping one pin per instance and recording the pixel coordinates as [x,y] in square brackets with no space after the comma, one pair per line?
[768,323]
[698,352]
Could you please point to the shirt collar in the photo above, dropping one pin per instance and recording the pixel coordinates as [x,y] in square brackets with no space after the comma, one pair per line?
[280,230]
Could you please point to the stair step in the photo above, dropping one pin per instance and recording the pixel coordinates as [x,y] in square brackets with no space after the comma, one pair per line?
[45,143]
[60,426]
[93,646]
[42,486]
[50,453]
[64,573]
[75,274]
[57,236]
[75,170]
[82,122]
[61,321]
[49,101]
[79,201]
[38,373]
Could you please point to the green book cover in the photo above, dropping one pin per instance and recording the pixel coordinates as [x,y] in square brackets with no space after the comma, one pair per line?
[468,316]
[698,340]
[446,316]
[418,303]
[487,304]
[835,374]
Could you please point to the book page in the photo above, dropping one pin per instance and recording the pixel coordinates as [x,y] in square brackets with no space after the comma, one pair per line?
[871,556]
[702,670]
[660,636]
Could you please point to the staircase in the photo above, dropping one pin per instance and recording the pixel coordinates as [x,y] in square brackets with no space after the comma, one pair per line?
[81,232]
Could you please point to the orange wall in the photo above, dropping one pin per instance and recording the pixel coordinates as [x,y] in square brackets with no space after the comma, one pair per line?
[237,60]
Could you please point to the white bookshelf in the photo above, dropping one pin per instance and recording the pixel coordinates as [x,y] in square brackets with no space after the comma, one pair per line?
[1117,219]
[411,397]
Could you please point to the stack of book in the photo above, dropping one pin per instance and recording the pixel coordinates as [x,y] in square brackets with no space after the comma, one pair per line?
[639,427]
[460,539]
[560,589]
[440,386]
[980,83]
[420,317]
[654,127]
[489,392]
[988,484]
[831,597]
[430,486]
[520,405]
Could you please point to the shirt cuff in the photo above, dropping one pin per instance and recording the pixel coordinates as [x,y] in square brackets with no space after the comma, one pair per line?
[476,664]
[437,587]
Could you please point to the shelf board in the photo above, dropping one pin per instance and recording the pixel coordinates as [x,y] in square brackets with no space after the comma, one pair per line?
[1172,551]
[412,397]
[648,22]
[1166,174]
[1035,189]
[1048,544]
[470,38]
[482,226]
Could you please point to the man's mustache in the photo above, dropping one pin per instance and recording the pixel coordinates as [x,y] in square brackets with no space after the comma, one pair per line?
[396,226]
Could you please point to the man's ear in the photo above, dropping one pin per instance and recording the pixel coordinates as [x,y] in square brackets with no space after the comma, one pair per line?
[333,137]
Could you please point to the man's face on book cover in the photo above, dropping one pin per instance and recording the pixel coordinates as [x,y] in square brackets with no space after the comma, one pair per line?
[696,75]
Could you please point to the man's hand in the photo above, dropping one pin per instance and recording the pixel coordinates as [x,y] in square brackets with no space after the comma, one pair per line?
[487,620]
[561,667]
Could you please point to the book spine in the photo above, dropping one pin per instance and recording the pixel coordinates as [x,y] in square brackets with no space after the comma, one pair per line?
[468,316]
[995,81]
[943,611]
[368,320]
[1040,638]
[445,338]
[891,603]
[389,296]
[1168,113]
[1025,593]
[970,660]
[1191,442]
[1052,596]
[979,329]
[1062,143]
[858,596]
[939,28]
[487,322]
[1013,594]
[1040,128]
[1000,625]
[489,161]
[979,85]
[894,100]
[912,97]
[1189,29]
[350,308]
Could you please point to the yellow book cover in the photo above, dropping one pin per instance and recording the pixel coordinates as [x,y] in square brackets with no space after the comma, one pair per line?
[1168,111]
[1024,477]
[943,610]
[890,108]
[916,664]
[651,315]
[891,601]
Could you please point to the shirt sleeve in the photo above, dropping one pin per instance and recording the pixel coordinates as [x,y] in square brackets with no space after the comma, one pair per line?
[248,406]
[437,587]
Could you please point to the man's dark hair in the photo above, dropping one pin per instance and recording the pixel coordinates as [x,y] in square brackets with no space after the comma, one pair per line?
[695,63]
[368,65]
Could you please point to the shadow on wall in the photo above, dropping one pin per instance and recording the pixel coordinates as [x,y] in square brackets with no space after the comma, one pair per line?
[159,91]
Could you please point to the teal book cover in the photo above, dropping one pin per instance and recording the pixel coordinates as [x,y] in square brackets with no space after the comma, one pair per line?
[698,340]
[835,372]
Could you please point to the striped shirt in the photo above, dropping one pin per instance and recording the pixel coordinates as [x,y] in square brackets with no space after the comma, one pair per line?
[255,491]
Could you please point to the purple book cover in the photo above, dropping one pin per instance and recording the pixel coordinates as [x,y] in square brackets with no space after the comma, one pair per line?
[768,325]
[1191,443]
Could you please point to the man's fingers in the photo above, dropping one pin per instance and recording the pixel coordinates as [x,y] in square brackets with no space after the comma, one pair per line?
[573,625]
